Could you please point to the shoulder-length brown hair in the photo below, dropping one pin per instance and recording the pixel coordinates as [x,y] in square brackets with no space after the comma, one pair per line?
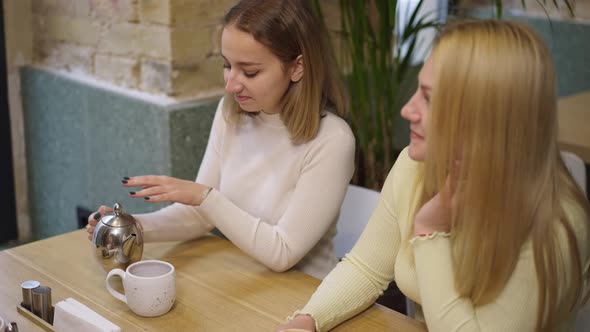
[289,28]
[494,108]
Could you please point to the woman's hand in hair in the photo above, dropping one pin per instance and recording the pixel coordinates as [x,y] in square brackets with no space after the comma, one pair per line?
[160,188]
[436,214]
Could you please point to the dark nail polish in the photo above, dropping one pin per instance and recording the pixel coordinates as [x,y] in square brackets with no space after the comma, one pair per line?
[124,181]
[96,216]
[146,198]
[126,178]
[132,192]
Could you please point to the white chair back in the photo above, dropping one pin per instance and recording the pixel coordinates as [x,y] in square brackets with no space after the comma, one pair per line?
[357,207]
[576,167]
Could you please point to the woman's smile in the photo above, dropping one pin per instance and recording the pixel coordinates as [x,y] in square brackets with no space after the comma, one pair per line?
[415,136]
[242,99]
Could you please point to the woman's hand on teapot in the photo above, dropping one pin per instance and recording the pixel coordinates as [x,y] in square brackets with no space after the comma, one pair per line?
[161,188]
[93,219]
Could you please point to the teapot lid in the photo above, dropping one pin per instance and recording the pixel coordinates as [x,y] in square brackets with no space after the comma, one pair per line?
[117,218]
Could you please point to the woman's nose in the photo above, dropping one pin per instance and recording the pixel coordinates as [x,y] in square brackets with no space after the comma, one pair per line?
[232,85]
[409,112]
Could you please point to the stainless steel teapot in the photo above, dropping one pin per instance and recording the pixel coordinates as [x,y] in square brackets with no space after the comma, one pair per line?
[118,239]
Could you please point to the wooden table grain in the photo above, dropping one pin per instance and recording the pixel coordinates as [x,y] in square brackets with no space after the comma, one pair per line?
[219,288]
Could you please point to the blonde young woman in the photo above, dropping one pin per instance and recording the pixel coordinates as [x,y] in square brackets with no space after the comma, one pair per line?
[277,138]
[479,221]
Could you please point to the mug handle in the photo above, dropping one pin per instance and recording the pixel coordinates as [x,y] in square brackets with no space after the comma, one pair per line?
[120,273]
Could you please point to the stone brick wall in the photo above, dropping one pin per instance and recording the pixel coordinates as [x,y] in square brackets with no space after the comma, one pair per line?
[166,47]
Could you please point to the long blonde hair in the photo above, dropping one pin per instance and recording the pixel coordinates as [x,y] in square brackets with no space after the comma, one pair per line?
[289,28]
[494,109]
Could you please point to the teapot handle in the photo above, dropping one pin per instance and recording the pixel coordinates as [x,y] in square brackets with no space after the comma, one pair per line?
[113,292]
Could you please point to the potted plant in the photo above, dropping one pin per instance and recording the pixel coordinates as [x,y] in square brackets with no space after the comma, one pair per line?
[376,60]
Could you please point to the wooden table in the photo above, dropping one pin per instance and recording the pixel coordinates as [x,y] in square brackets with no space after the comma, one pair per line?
[574,124]
[219,288]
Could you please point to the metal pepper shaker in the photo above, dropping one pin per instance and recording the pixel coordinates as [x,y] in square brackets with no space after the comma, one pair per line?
[42,306]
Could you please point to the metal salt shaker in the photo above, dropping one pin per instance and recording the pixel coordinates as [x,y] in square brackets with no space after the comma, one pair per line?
[27,288]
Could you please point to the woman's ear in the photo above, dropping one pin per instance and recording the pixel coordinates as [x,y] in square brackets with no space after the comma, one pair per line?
[297,69]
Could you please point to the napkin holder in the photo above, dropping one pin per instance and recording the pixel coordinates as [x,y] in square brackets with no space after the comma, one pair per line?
[34,318]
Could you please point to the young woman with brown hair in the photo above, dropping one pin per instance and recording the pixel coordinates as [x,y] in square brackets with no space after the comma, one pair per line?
[279,157]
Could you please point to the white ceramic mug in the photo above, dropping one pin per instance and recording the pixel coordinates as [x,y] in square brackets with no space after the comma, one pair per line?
[150,287]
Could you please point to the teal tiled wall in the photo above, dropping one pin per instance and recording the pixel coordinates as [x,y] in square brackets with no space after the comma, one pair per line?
[81,139]
[569,42]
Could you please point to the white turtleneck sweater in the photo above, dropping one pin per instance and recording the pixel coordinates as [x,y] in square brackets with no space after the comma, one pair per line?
[277,201]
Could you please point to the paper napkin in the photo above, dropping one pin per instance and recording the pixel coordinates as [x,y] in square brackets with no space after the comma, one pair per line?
[71,315]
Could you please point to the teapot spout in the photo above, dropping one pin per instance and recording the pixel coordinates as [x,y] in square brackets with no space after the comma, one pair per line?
[127,244]
[124,253]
